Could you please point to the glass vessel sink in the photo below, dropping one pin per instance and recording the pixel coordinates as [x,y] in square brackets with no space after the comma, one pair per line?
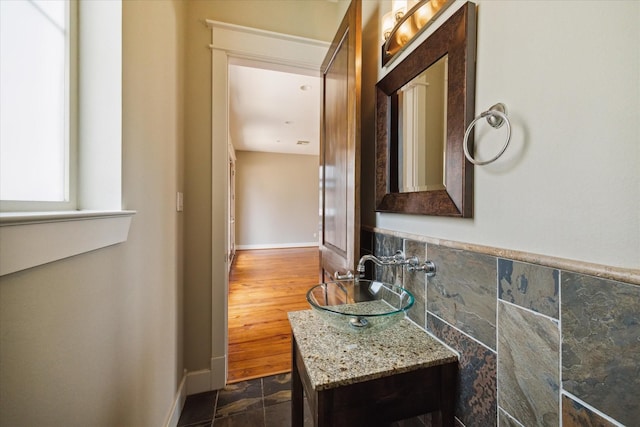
[360,305]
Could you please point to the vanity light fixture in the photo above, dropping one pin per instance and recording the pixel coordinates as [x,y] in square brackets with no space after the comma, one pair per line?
[400,25]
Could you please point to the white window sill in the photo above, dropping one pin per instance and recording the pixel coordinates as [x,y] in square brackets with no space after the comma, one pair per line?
[29,239]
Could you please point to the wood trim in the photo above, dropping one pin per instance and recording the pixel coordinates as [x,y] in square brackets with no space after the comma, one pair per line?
[31,240]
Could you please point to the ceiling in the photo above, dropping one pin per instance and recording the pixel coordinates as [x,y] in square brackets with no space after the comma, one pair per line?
[273,110]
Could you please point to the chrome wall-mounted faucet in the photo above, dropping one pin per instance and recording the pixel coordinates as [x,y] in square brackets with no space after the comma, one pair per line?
[412,263]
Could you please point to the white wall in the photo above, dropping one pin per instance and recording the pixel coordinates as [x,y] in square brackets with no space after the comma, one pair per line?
[96,339]
[276,200]
[569,183]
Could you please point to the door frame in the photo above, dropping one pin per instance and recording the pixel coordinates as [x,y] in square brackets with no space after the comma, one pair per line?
[252,47]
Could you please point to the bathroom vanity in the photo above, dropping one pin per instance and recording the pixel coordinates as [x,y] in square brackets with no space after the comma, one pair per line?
[355,378]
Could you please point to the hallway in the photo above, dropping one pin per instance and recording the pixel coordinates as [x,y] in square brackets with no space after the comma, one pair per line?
[264,285]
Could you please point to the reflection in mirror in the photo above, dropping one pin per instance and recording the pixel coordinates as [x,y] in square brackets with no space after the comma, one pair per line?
[422,133]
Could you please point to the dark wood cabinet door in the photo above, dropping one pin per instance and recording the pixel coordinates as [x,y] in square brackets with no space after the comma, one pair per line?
[340,148]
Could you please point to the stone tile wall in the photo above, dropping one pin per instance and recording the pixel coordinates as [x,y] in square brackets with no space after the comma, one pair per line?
[538,346]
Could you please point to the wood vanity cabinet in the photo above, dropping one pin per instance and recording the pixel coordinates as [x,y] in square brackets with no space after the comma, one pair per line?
[351,391]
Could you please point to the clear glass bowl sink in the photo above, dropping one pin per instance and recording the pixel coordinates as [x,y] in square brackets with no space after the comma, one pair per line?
[360,305]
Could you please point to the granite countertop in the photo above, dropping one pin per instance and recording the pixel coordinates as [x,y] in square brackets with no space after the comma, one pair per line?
[336,358]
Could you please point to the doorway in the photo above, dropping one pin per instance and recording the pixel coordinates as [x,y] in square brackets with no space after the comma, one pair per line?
[274,129]
[281,52]
[274,124]
[274,133]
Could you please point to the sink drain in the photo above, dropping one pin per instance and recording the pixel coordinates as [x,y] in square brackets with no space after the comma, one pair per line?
[358,322]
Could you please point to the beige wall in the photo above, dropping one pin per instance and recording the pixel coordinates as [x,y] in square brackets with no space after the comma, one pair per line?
[197,202]
[96,339]
[276,199]
[569,184]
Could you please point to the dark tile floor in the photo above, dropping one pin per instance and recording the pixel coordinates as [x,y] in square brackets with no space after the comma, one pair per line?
[263,402]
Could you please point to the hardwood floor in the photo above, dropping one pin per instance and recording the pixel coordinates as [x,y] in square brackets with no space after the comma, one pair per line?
[263,286]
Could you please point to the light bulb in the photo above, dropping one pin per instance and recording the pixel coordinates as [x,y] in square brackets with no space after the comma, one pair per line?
[388,22]
[399,8]
[404,33]
[424,14]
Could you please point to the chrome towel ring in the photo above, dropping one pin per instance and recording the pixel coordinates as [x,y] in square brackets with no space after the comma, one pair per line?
[496,116]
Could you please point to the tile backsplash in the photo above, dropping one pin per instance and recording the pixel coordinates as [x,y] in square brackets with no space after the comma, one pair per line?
[538,345]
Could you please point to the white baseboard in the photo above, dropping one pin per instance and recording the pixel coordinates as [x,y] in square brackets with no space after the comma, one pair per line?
[198,381]
[218,372]
[277,245]
[208,379]
[178,404]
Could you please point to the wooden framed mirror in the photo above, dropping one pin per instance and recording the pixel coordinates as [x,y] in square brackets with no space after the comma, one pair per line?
[452,48]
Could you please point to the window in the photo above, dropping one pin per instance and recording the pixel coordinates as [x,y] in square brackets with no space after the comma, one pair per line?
[41,63]
[37,128]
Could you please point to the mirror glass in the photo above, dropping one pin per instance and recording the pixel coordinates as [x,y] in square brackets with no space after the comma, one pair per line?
[423,106]
[422,133]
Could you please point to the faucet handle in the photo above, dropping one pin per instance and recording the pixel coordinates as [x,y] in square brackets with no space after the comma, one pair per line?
[428,267]
[347,276]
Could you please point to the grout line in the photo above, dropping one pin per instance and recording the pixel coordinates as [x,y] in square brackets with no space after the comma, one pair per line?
[264,409]
[431,334]
[537,313]
[426,288]
[497,340]
[462,332]
[500,409]
[215,406]
[591,408]
[560,385]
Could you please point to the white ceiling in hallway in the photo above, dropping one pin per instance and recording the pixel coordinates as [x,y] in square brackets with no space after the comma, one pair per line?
[271,110]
